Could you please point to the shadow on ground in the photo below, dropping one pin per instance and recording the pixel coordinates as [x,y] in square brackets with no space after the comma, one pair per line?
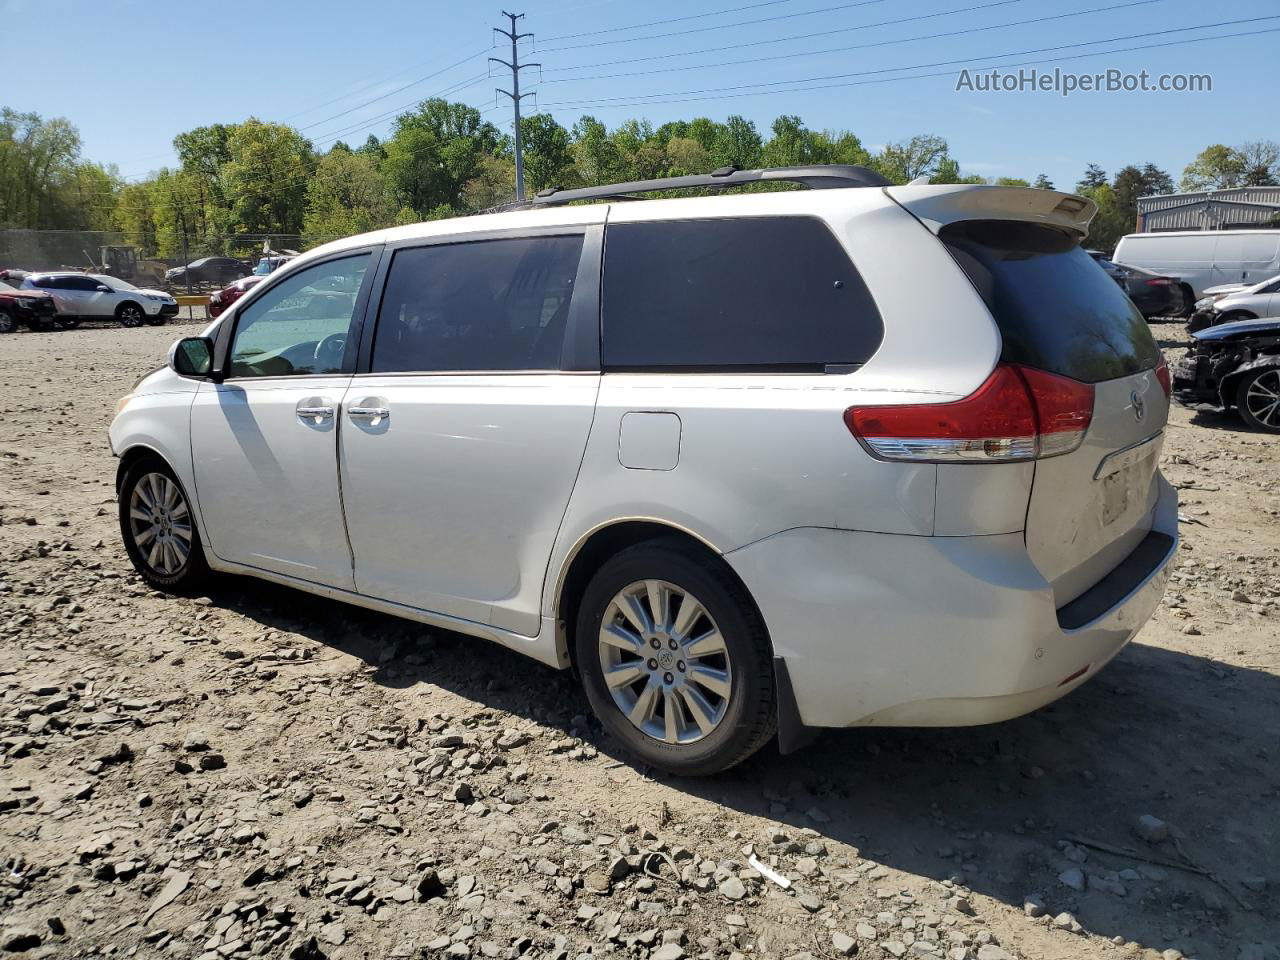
[1187,739]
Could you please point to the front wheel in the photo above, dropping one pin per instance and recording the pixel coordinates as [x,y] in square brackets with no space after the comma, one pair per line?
[7,323]
[130,315]
[1258,399]
[159,529]
[675,660]
[67,324]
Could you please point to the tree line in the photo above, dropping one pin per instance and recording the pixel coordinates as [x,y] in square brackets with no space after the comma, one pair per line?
[443,159]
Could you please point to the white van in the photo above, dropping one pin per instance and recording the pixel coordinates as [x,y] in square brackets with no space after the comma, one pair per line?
[1204,258]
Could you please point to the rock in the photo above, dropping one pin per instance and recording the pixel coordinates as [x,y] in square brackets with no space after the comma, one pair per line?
[1151,829]
[895,948]
[865,931]
[1033,906]
[618,868]
[989,951]
[843,944]
[668,951]
[1239,596]
[1107,885]
[961,905]
[733,889]
[196,740]
[429,885]
[1074,878]
[809,902]
[17,939]
[334,933]
[1065,921]
[597,882]
[463,793]
[144,800]
[212,761]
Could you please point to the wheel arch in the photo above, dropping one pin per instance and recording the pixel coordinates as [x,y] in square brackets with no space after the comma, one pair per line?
[1229,384]
[600,543]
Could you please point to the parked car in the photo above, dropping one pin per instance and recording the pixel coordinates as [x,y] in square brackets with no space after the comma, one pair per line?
[760,461]
[1154,295]
[221,299]
[269,264]
[207,270]
[1260,300]
[33,309]
[1235,366]
[1204,258]
[96,296]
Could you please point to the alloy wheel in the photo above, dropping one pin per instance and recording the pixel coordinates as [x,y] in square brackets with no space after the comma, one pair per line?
[1263,399]
[665,662]
[160,523]
[131,316]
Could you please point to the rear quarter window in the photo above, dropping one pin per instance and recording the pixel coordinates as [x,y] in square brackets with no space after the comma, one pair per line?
[759,293]
[1056,309]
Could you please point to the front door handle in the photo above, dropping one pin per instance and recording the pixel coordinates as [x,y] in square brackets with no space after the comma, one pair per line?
[315,410]
[369,410]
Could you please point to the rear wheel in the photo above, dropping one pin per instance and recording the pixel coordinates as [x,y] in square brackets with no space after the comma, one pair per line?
[675,660]
[159,529]
[130,315]
[7,323]
[67,323]
[1258,399]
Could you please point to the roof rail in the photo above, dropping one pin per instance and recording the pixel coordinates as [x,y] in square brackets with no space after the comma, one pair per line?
[815,177]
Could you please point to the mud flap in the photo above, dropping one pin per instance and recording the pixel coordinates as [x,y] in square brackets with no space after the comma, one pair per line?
[793,735]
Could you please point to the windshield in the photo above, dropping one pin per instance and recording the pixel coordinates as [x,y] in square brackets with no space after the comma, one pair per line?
[116,283]
[5,286]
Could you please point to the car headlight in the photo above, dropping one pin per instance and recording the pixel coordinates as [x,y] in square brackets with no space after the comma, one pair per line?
[153,296]
[1204,303]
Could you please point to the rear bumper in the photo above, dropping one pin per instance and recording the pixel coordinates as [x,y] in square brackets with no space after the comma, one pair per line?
[890,630]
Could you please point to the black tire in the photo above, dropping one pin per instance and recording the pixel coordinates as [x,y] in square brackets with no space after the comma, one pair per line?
[7,322]
[1188,300]
[750,713]
[193,571]
[70,324]
[157,321]
[130,315]
[1256,411]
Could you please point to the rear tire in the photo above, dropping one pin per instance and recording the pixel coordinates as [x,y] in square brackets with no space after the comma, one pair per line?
[7,323]
[158,527]
[696,673]
[1258,399]
[130,314]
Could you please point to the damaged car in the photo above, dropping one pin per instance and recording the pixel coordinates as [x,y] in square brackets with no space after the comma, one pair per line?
[1234,366]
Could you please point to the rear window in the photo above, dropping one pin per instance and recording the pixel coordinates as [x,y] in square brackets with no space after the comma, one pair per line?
[760,293]
[1057,311]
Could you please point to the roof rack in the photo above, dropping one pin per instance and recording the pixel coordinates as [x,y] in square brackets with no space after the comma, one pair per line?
[815,177]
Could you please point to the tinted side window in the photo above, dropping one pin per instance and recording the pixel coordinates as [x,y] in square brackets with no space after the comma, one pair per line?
[300,325]
[83,283]
[482,305]
[772,293]
[1056,311]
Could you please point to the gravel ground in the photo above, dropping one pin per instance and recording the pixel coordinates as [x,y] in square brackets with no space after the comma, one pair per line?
[262,773]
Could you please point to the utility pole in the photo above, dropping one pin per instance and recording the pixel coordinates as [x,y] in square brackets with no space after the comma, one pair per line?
[515,66]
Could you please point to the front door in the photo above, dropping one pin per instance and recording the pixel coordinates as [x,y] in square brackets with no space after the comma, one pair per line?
[264,441]
[461,444]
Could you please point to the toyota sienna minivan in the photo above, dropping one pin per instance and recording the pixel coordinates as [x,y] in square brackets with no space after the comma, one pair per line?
[751,463]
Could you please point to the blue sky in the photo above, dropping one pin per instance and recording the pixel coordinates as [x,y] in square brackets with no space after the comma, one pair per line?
[133,73]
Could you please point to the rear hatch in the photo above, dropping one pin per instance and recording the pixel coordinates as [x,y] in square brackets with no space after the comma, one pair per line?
[1059,312]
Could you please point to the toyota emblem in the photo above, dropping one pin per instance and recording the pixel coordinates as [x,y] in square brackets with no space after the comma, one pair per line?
[1139,407]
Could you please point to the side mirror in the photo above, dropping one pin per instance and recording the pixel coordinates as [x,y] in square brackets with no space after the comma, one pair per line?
[192,357]
[103,288]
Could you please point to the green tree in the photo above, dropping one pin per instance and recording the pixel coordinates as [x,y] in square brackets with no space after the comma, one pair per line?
[266,177]
[1094,176]
[917,157]
[1110,223]
[345,196]
[548,153]
[595,152]
[686,155]
[434,151]
[1216,167]
[736,142]
[493,184]
[1042,182]
[1261,162]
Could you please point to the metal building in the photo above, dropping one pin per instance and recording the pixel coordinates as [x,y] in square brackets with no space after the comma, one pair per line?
[1236,209]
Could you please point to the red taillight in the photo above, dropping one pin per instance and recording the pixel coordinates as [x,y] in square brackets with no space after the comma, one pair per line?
[1159,282]
[1017,414]
[1162,374]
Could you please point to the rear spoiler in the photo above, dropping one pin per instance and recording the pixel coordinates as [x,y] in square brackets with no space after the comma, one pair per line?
[937,206]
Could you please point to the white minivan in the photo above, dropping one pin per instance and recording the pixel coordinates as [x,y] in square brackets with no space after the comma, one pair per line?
[1204,258]
[748,463]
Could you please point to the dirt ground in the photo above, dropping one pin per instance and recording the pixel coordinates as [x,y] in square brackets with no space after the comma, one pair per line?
[262,773]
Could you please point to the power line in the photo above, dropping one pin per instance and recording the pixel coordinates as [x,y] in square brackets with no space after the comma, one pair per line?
[845,49]
[919,76]
[798,36]
[657,23]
